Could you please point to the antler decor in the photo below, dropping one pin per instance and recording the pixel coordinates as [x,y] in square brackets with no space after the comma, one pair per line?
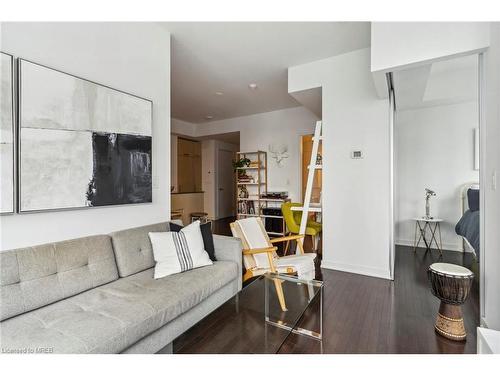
[279,153]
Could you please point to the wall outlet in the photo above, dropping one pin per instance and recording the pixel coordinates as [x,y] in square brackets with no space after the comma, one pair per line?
[494,180]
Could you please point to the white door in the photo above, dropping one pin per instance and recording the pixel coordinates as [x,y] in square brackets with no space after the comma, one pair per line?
[225,184]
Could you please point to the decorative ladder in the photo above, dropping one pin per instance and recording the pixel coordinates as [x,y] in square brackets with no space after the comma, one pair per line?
[313,166]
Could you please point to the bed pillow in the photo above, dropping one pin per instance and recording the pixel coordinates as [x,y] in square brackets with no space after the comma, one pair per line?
[473,199]
[176,252]
[206,233]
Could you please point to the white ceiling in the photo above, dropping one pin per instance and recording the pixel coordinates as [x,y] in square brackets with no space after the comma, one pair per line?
[444,82]
[210,57]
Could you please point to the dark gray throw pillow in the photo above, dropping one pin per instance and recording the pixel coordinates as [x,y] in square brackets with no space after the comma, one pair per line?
[206,233]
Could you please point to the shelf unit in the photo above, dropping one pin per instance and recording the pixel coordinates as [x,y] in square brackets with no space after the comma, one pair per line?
[256,190]
[258,185]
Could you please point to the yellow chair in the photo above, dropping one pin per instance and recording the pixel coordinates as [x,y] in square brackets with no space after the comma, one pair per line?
[292,220]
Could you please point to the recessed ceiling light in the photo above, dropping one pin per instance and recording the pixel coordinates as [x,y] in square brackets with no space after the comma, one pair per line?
[209,117]
[252,86]
[219,93]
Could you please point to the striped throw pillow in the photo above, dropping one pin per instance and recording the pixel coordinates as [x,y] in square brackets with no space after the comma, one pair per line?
[176,252]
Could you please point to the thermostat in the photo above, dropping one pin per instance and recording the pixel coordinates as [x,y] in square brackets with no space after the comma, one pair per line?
[358,154]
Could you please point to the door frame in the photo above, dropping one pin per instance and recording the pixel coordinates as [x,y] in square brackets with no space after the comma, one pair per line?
[216,182]
[482,178]
[392,155]
[482,183]
[302,133]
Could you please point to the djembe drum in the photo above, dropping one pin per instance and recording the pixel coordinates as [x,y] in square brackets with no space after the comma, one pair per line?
[451,284]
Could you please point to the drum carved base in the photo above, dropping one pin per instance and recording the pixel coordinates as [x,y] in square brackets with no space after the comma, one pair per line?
[450,323]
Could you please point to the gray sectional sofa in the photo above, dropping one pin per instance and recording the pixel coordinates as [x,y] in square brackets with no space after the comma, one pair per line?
[97,294]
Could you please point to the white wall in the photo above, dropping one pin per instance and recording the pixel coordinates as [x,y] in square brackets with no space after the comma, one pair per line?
[257,132]
[395,45]
[435,149]
[355,192]
[133,57]
[183,127]
[491,246]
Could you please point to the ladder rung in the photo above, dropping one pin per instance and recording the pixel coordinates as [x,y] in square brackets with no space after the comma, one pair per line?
[311,208]
[320,138]
[316,166]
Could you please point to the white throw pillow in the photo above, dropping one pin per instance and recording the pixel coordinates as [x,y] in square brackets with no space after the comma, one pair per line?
[176,252]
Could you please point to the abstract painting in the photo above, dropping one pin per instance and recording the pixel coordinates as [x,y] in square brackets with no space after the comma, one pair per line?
[122,169]
[82,144]
[6,134]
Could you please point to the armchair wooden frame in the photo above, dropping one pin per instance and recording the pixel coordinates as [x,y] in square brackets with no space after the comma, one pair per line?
[271,254]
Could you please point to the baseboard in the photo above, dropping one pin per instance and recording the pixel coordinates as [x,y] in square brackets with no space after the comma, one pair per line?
[446,246]
[361,270]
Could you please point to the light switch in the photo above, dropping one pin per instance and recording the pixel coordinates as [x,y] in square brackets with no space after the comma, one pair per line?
[494,180]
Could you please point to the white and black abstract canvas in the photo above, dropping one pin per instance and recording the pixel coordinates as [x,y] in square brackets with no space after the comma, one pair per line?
[81,144]
[6,134]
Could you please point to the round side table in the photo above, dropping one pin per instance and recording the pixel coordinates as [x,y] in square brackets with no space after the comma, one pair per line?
[433,224]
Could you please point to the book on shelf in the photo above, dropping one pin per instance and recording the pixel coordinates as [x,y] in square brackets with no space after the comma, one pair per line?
[246,208]
[275,195]
[245,179]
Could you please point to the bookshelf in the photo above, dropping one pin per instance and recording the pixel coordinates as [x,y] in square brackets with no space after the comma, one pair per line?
[251,189]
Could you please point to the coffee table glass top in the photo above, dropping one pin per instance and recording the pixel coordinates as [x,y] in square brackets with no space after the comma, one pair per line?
[254,322]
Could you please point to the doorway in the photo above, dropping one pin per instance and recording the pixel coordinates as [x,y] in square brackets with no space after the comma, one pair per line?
[202,175]
[436,162]
[306,144]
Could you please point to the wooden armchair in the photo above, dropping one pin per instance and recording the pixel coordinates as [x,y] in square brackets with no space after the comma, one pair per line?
[259,253]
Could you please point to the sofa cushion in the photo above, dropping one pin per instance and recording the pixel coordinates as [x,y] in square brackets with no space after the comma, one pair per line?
[110,318]
[133,250]
[206,233]
[36,276]
[176,252]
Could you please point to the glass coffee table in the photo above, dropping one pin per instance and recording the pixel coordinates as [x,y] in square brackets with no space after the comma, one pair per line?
[253,322]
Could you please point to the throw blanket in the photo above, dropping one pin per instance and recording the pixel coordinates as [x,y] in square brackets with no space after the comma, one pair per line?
[304,264]
[256,239]
[468,227]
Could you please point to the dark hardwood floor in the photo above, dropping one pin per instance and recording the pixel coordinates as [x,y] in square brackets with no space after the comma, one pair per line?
[370,315]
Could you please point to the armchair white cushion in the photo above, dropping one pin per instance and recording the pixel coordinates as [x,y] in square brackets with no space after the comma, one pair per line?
[251,231]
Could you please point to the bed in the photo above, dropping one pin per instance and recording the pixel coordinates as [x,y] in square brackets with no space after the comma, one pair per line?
[468,225]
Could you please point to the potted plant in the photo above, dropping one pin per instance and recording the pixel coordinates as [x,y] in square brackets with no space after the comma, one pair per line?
[241,163]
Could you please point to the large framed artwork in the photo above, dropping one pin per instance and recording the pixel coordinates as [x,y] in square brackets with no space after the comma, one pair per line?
[82,144]
[6,133]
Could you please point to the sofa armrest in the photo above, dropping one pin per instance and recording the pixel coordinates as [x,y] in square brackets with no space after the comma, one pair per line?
[230,249]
